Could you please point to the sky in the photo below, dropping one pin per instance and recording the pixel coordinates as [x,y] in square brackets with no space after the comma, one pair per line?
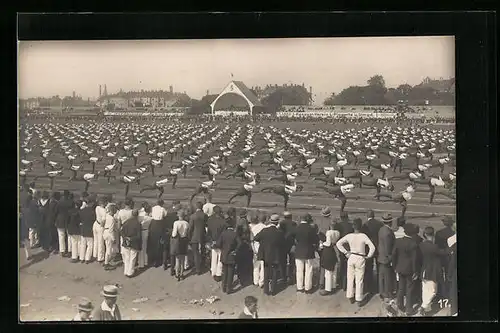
[47,68]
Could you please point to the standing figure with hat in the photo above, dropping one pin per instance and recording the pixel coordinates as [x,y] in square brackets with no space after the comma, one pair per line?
[108,311]
[344,227]
[229,244]
[85,308]
[288,226]
[371,228]
[328,260]
[386,240]
[441,239]
[271,241]
[405,261]
[256,227]
[306,243]
[356,257]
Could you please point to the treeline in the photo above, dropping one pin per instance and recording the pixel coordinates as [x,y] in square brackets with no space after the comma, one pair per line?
[436,92]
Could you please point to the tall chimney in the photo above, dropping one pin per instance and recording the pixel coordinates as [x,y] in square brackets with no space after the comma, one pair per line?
[100,91]
[208,92]
[171,89]
[74,94]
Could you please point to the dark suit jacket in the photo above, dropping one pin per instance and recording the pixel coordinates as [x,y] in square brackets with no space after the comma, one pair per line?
[215,225]
[386,241]
[229,243]
[371,229]
[87,219]
[271,244]
[132,230]
[62,217]
[306,241]
[169,221]
[405,256]
[442,237]
[288,227]
[197,224]
[431,261]
[51,213]
[73,226]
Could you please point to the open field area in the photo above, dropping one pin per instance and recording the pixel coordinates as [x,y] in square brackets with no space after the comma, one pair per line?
[45,279]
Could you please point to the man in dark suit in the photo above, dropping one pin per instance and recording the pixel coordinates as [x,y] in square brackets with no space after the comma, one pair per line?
[306,243]
[229,243]
[51,214]
[371,228]
[441,238]
[271,241]
[404,259]
[385,246]
[288,225]
[197,224]
[344,227]
[169,220]
[431,272]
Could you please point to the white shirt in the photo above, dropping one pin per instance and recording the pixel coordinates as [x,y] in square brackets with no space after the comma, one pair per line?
[400,233]
[357,243]
[105,307]
[100,213]
[180,227]
[208,208]
[124,214]
[452,240]
[109,225]
[158,212]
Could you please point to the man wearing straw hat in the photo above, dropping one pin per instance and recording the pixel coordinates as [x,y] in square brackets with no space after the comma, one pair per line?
[85,308]
[108,311]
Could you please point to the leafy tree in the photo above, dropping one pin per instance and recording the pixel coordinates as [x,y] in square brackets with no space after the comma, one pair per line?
[376,80]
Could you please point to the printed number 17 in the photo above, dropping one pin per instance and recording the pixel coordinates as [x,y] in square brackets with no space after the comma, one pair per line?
[443,303]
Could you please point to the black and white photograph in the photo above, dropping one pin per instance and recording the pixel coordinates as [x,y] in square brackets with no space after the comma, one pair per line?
[237,178]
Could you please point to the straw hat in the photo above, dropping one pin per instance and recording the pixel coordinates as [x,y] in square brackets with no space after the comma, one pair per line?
[326,212]
[85,305]
[275,218]
[109,291]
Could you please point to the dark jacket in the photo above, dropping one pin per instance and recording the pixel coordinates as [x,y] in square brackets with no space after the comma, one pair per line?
[386,241]
[169,221]
[229,243]
[99,315]
[43,214]
[32,216]
[371,229]
[442,237]
[73,225]
[63,213]
[197,224]
[431,261]
[131,233]
[328,258]
[271,244]
[405,256]
[288,227]
[306,241]
[215,225]
[87,219]
[52,211]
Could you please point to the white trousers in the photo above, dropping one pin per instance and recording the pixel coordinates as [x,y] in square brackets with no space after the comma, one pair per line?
[429,289]
[215,264]
[98,248]
[304,273]
[33,237]
[143,254]
[86,248]
[258,271]
[355,276]
[27,248]
[109,243]
[61,235]
[331,279]
[75,246]
[129,256]
[186,262]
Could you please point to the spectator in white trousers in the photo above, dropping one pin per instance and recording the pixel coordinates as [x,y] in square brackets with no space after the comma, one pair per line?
[97,231]
[23,233]
[357,242]
[215,226]
[123,215]
[329,257]
[258,265]
[74,231]
[131,243]
[65,205]
[87,219]
[306,243]
[431,272]
[145,220]
[109,235]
